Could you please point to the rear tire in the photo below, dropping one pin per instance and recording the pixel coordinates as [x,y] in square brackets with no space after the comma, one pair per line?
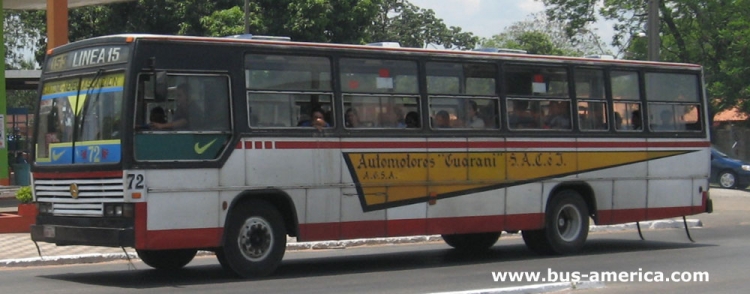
[566,226]
[471,242]
[167,259]
[255,239]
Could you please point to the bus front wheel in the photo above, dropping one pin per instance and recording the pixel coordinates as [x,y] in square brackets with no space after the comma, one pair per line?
[471,242]
[255,239]
[566,226]
[167,259]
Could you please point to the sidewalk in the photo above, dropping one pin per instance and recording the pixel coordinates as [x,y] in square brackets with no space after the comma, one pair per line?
[17,250]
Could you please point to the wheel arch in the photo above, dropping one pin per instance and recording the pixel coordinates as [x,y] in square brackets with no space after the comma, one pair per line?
[583,189]
[279,199]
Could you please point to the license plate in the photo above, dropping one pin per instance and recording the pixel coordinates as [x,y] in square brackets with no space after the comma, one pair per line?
[49,232]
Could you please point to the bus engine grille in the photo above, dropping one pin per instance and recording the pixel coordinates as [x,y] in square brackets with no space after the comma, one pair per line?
[89,199]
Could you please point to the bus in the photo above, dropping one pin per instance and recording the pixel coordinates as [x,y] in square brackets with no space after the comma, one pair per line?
[174,144]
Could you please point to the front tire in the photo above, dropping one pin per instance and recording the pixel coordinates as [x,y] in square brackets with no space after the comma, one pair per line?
[167,259]
[255,239]
[566,226]
[727,180]
[471,242]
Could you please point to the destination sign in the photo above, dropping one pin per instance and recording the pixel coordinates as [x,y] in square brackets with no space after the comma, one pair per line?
[93,56]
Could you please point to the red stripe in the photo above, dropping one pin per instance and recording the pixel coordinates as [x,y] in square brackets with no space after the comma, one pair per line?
[78,175]
[394,145]
[363,229]
[641,144]
[211,237]
[469,145]
[183,239]
[680,144]
[550,144]
[307,145]
[239,145]
[141,217]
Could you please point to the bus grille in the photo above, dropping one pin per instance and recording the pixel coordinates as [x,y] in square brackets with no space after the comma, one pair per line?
[92,195]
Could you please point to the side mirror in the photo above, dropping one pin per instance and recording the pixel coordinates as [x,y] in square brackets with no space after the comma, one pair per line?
[161,86]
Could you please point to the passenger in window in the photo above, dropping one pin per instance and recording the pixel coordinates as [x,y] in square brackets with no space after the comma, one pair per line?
[635,120]
[352,118]
[180,119]
[472,119]
[667,121]
[157,115]
[442,120]
[318,120]
[412,120]
[520,116]
[392,119]
[558,116]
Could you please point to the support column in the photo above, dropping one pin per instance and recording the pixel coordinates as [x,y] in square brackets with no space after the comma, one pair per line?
[57,23]
[4,174]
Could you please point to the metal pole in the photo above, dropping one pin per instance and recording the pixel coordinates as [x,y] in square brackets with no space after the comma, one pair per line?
[653,30]
[247,22]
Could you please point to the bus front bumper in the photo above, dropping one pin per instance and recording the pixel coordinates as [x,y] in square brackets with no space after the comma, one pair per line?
[69,235]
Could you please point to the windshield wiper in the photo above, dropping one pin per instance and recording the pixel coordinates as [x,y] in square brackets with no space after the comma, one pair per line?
[87,103]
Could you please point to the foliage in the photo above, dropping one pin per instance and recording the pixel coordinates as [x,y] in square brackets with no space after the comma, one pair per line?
[403,22]
[715,34]
[539,35]
[23,194]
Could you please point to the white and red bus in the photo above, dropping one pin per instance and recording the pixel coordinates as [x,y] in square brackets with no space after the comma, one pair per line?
[173,144]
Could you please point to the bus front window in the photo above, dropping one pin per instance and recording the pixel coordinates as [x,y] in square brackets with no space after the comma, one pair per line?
[79,120]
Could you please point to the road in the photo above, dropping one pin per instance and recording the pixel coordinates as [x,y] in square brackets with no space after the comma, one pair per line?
[720,250]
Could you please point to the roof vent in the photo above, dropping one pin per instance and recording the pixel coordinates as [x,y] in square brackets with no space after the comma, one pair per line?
[501,50]
[259,37]
[385,44]
[597,56]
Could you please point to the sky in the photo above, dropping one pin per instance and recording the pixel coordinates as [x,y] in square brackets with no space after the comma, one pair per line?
[486,18]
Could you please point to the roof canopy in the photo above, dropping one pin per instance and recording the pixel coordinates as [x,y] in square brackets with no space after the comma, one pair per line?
[42,4]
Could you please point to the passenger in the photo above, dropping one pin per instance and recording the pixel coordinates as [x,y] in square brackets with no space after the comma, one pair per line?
[392,119]
[352,118]
[157,115]
[520,117]
[181,119]
[558,116]
[412,120]
[318,120]
[442,120]
[667,121]
[635,120]
[472,120]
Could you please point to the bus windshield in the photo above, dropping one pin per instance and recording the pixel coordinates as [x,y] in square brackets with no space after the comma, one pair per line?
[79,119]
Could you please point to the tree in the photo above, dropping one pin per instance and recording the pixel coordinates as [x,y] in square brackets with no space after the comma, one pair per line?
[538,35]
[411,26]
[715,34]
[18,34]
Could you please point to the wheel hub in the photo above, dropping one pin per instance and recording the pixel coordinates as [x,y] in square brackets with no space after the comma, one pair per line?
[569,223]
[255,239]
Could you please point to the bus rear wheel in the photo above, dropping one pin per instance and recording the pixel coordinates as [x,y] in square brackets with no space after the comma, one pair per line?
[255,239]
[167,259]
[471,242]
[566,226]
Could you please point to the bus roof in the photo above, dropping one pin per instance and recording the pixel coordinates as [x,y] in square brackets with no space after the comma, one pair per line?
[510,55]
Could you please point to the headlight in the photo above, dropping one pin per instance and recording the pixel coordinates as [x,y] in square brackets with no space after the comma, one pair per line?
[746,167]
[44,207]
[118,209]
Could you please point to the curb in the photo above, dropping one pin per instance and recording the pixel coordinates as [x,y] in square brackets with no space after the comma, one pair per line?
[536,288]
[292,245]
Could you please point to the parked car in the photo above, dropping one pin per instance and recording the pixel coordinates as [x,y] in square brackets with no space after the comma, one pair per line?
[729,172]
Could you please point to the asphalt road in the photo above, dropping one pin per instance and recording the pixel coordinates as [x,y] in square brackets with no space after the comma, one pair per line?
[720,250]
